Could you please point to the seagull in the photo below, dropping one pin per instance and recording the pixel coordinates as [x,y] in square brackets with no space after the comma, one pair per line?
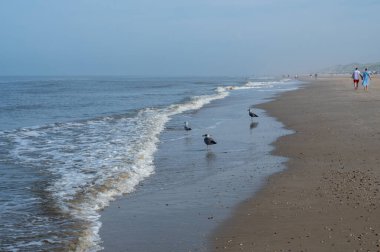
[251,114]
[208,140]
[187,126]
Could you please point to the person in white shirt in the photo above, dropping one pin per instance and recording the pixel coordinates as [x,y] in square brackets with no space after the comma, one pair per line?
[355,77]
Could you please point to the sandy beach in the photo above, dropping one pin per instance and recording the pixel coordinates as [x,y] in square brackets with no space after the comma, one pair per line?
[328,198]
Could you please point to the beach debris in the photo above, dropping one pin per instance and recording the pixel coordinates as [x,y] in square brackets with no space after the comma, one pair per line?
[186,126]
[208,140]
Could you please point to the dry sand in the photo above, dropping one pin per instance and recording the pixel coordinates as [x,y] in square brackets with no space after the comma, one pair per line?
[328,198]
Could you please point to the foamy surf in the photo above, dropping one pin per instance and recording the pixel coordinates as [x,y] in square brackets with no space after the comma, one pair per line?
[94,161]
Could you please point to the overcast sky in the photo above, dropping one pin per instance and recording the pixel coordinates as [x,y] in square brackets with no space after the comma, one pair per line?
[185,37]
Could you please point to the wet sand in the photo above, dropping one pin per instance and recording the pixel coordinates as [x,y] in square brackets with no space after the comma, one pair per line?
[328,198]
[194,189]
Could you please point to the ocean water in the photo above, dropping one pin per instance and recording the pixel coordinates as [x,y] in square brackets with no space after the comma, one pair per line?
[69,146]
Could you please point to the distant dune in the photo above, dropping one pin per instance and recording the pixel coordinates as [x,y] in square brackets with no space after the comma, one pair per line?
[348,68]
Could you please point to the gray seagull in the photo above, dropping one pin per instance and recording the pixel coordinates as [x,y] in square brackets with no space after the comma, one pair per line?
[251,114]
[208,140]
[187,126]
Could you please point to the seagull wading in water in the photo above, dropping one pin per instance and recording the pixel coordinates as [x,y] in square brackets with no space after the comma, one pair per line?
[208,140]
[187,126]
[251,114]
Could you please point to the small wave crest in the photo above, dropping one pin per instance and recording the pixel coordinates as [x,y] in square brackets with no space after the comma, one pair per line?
[262,85]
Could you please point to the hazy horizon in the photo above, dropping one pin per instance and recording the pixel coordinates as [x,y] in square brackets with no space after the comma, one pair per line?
[184,38]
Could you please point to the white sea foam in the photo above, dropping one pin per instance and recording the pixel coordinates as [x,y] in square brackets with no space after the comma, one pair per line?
[261,85]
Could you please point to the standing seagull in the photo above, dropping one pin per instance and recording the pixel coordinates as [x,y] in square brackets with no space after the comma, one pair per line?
[208,140]
[187,126]
[251,114]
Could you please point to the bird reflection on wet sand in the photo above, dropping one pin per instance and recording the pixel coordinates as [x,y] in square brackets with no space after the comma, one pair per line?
[210,157]
[253,125]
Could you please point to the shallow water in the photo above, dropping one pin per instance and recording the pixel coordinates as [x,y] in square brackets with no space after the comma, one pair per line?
[194,188]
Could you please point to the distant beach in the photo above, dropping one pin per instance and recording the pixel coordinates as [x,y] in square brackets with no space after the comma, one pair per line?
[328,197]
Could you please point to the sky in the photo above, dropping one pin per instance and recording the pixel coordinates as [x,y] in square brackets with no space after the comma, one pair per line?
[185,37]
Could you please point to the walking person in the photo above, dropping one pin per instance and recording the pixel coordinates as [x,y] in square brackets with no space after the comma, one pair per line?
[355,76]
[366,77]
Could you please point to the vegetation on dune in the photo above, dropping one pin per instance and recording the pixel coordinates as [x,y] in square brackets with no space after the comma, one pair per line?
[348,68]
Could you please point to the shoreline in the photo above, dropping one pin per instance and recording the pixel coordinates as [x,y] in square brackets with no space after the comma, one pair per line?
[195,188]
[327,199]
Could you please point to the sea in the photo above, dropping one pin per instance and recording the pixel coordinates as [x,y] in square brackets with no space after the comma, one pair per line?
[69,146]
